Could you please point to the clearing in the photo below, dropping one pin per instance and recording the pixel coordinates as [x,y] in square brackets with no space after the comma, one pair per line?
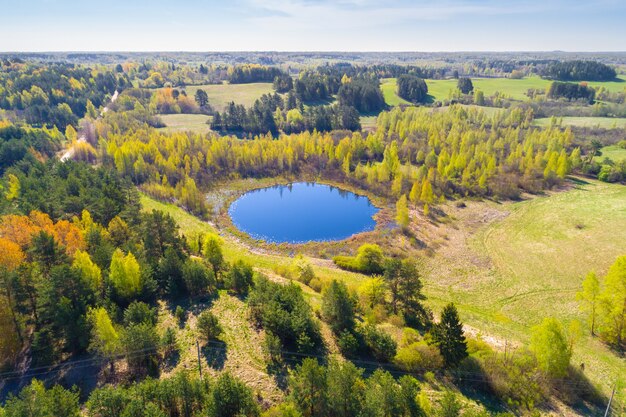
[185,122]
[222,94]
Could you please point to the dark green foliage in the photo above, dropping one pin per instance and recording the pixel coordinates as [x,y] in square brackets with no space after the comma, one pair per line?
[283,311]
[412,88]
[309,387]
[449,337]
[208,326]
[64,190]
[198,279]
[140,313]
[31,89]
[63,298]
[571,91]
[140,343]
[465,85]
[16,140]
[201,97]
[405,286]
[180,315]
[230,398]
[169,273]
[37,401]
[579,71]
[244,74]
[362,94]
[283,83]
[160,232]
[338,307]
[239,277]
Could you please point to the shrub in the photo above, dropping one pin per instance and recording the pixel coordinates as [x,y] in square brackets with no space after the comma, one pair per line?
[380,344]
[239,278]
[418,357]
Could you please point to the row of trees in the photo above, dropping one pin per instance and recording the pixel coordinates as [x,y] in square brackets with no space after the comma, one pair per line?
[571,91]
[252,73]
[604,301]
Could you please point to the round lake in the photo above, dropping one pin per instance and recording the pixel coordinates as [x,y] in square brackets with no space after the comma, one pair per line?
[302,212]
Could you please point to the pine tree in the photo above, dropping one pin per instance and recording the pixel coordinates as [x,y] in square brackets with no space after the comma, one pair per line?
[427,195]
[449,337]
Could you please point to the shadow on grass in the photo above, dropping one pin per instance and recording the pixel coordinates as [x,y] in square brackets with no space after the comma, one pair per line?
[215,354]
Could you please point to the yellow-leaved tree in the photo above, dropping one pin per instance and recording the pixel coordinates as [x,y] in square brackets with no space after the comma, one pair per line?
[125,274]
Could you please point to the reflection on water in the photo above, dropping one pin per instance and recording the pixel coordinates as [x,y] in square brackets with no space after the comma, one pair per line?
[302,212]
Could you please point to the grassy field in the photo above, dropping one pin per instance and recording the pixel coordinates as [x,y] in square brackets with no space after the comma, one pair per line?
[185,122]
[527,260]
[222,94]
[603,122]
[614,153]
[516,89]
[389,88]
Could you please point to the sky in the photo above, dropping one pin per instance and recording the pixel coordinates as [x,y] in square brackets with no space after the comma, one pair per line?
[312,25]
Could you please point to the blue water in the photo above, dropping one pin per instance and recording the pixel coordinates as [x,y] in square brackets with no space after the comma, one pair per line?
[302,212]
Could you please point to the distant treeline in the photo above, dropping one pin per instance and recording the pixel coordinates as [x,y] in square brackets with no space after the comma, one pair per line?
[250,73]
[579,71]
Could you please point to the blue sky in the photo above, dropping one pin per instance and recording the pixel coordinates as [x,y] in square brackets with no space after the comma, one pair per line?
[312,25]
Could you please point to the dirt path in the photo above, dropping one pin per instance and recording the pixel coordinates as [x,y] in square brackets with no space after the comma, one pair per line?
[69,153]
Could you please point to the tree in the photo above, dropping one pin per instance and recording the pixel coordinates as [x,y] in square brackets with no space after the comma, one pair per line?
[345,389]
[614,303]
[212,252]
[427,195]
[36,401]
[139,312]
[465,85]
[231,398]
[479,98]
[338,307]
[125,274]
[589,298]
[104,337]
[402,212]
[414,195]
[198,278]
[308,386]
[91,110]
[549,344]
[201,97]
[412,88]
[141,338]
[240,277]
[449,337]
[450,406]
[370,258]
[90,272]
[208,326]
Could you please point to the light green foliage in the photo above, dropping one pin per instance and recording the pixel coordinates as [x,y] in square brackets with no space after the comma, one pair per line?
[303,270]
[402,212]
[589,298]
[14,187]
[104,337]
[212,252]
[614,303]
[88,269]
[125,274]
[550,345]
[450,405]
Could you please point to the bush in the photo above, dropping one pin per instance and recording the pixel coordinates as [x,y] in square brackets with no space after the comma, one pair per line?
[418,357]
[349,345]
[369,260]
[180,314]
[198,279]
[138,312]
[380,344]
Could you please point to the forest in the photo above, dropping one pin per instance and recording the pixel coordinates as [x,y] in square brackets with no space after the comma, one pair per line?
[167,311]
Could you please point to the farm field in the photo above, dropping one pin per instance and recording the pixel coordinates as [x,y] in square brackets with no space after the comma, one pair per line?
[603,122]
[526,260]
[222,94]
[185,122]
